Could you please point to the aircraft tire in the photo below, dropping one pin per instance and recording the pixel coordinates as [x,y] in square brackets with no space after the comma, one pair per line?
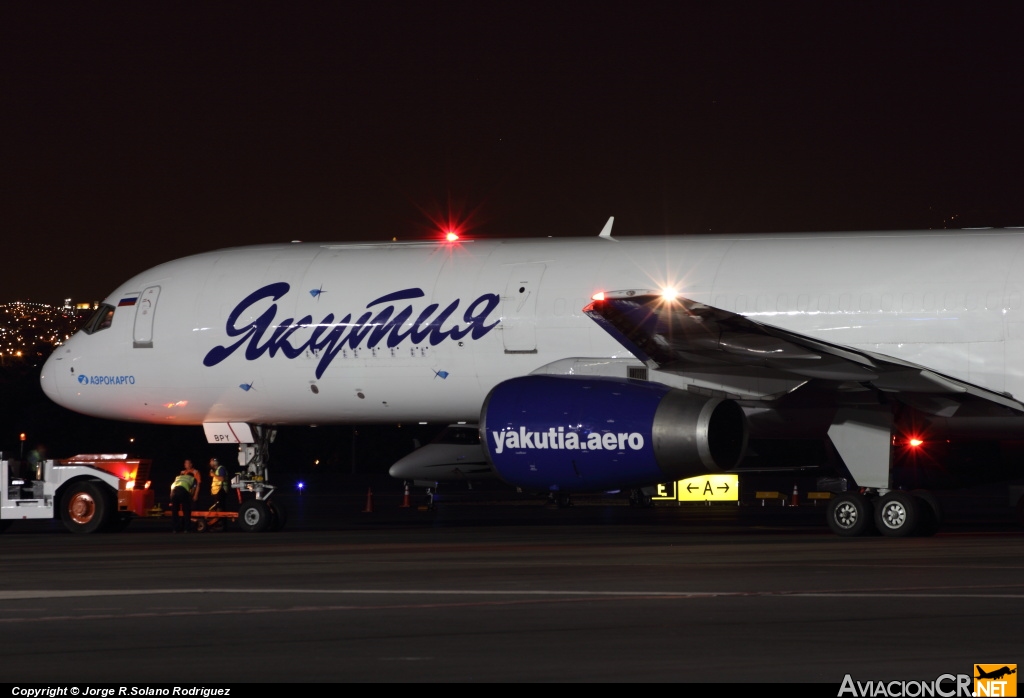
[897,514]
[86,507]
[930,513]
[254,516]
[278,515]
[849,515]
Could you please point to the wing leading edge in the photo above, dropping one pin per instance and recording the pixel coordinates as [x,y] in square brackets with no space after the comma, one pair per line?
[681,336]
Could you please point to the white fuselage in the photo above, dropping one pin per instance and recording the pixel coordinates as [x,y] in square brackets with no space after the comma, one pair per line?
[184,348]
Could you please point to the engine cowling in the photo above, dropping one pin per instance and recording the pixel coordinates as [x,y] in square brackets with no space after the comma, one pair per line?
[591,434]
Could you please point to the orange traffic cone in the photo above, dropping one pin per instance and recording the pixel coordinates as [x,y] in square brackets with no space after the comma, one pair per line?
[405,498]
[794,499]
[369,501]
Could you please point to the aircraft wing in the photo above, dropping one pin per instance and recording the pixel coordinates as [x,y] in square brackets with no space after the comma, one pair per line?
[682,336]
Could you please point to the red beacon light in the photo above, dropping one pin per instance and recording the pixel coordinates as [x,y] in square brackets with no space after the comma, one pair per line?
[915,442]
[599,296]
[451,236]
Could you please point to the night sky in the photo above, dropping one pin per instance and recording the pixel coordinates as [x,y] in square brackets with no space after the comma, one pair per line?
[136,133]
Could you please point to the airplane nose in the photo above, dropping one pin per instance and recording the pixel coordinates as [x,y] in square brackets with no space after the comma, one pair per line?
[399,471]
[410,467]
[48,379]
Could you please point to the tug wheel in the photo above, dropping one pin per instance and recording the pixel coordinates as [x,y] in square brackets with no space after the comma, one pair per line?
[85,508]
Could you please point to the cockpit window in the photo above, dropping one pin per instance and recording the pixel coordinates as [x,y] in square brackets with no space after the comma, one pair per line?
[100,320]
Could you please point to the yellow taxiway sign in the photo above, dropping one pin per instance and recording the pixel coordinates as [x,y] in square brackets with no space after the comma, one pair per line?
[704,488]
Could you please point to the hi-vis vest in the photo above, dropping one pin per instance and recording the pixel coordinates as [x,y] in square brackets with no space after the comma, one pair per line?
[218,479]
[185,481]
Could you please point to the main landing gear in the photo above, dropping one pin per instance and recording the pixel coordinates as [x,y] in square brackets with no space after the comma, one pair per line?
[863,437]
[891,513]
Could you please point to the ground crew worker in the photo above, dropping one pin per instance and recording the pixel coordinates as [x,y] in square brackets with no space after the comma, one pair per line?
[191,470]
[184,490]
[219,485]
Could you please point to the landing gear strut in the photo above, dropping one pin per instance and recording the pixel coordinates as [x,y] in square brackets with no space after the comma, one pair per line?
[259,513]
[863,437]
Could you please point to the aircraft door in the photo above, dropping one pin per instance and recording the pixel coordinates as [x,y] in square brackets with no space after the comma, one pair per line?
[519,309]
[145,310]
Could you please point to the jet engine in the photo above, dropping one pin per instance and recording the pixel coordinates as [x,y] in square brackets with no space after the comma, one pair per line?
[591,434]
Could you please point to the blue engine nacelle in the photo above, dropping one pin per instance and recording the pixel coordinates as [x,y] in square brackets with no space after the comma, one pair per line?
[591,434]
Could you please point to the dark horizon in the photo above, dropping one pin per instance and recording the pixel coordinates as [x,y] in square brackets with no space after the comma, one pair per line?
[142,133]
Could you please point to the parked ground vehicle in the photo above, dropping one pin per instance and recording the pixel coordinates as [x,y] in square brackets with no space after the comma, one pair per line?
[89,493]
